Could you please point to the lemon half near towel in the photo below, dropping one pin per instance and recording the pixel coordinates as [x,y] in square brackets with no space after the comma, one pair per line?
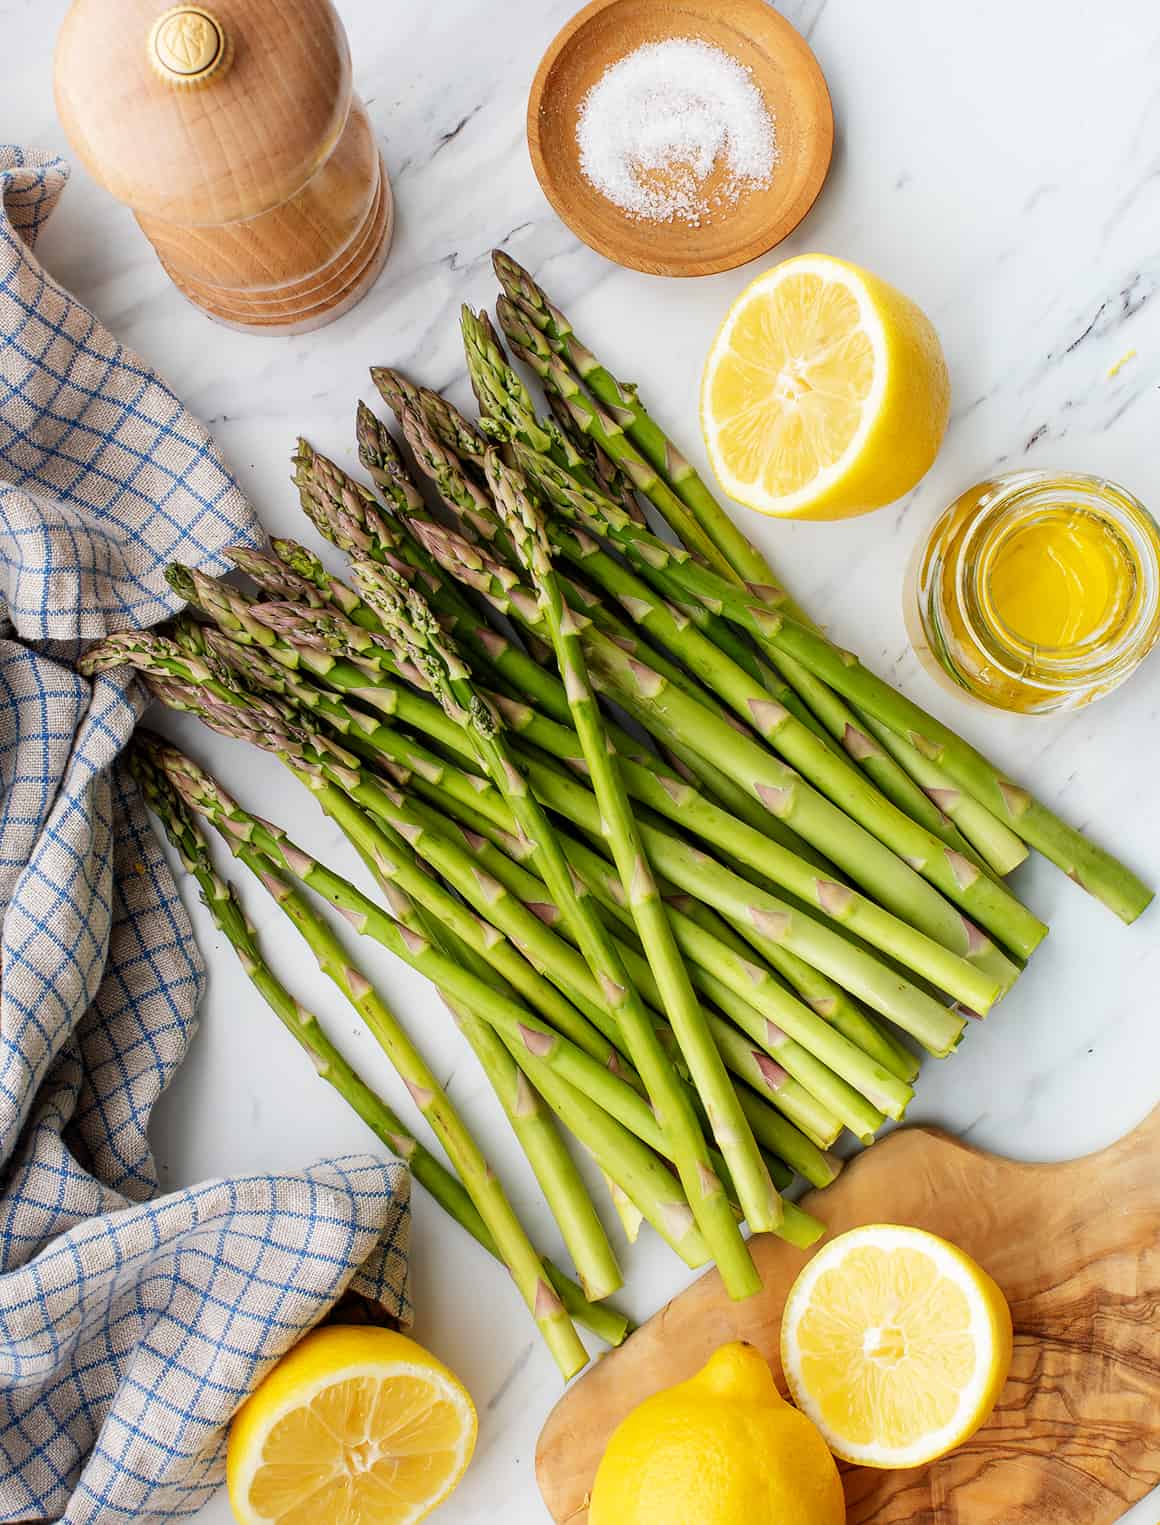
[825,393]
[355,1426]
[896,1344]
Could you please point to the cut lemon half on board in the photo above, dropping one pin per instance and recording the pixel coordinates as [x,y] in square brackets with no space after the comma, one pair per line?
[825,393]
[356,1426]
[895,1344]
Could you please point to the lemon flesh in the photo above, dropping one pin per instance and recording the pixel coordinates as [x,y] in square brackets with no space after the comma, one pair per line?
[723,1448]
[356,1426]
[896,1344]
[825,393]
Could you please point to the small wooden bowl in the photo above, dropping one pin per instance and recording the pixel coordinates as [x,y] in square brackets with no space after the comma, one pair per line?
[784,69]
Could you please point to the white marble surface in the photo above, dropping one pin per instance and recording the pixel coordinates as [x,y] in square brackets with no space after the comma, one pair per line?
[996,161]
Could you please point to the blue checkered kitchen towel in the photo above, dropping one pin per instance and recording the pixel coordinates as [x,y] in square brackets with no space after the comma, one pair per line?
[131,1324]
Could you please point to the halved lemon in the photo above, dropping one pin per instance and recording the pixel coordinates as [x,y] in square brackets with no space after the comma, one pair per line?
[896,1344]
[356,1426]
[825,393]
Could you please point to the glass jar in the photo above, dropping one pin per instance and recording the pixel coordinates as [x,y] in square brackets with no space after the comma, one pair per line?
[1037,592]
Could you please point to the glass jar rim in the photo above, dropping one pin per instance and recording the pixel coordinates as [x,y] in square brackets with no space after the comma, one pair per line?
[1105,653]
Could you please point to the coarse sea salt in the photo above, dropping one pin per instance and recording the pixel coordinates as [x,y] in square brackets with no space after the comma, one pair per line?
[674,130]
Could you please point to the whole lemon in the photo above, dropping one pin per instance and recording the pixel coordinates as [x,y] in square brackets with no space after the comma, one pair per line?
[723,1448]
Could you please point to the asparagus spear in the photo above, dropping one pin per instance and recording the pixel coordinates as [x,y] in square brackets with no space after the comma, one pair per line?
[395,862]
[147,761]
[505,401]
[444,420]
[379,456]
[242,619]
[1090,866]
[482,525]
[543,1144]
[686,806]
[624,406]
[997,845]
[821,994]
[483,874]
[549,1158]
[609,477]
[421,645]
[430,770]
[347,515]
[387,748]
[157,657]
[276,578]
[759,1199]
[495,385]
[570,1079]
[764,919]
[489,371]
[423,827]
[748,979]
[817,990]
[463,496]
[1010,810]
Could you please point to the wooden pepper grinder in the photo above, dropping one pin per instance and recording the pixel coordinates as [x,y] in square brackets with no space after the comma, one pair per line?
[232,131]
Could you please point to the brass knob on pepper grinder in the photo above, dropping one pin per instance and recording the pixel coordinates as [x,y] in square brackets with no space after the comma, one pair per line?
[188,46]
[233,132]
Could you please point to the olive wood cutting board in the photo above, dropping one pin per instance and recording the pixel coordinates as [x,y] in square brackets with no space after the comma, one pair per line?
[1075,1439]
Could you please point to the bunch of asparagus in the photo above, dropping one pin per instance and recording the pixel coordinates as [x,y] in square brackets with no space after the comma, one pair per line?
[692,882]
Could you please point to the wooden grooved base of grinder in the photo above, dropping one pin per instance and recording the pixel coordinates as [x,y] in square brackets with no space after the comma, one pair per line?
[301,306]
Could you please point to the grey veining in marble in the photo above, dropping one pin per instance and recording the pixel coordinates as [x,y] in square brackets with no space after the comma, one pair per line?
[998,162]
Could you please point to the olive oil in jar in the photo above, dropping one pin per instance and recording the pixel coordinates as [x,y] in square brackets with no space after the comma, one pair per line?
[1037,592]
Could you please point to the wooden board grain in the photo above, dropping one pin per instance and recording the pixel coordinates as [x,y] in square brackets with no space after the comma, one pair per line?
[1075,1439]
